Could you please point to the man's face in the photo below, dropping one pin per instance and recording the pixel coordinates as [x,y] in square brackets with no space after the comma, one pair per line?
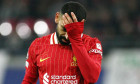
[61,31]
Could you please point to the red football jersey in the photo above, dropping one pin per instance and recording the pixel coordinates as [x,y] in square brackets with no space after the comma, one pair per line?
[54,63]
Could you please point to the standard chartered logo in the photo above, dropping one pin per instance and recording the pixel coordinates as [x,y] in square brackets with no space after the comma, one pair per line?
[57,79]
[66,79]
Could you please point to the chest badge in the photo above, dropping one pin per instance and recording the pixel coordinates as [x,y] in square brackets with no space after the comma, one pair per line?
[74,63]
[74,59]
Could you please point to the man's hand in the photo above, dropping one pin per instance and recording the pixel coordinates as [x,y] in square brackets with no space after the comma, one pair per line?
[73,27]
[67,19]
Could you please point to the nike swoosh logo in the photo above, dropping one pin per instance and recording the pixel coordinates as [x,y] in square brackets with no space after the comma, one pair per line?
[41,60]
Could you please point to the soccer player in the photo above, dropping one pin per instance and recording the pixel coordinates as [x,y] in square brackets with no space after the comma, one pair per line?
[66,56]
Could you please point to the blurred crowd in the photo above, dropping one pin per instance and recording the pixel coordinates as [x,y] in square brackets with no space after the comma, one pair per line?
[115,22]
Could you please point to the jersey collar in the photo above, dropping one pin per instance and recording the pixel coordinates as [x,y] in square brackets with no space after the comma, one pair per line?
[53,39]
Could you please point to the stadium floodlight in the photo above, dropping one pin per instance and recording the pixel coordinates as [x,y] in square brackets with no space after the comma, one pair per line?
[5,28]
[23,30]
[41,28]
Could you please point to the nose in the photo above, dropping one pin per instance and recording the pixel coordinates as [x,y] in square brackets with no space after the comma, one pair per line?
[66,35]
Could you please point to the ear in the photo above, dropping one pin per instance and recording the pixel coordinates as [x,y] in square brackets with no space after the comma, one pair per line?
[57,17]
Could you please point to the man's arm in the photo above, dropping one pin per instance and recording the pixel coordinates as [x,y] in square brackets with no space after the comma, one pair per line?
[89,62]
[31,74]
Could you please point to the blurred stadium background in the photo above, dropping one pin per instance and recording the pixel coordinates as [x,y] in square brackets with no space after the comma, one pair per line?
[115,22]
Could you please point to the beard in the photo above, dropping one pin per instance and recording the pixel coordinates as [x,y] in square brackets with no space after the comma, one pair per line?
[62,40]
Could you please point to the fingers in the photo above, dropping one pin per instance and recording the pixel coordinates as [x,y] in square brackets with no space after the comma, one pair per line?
[83,20]
[74,17]
[67,19]
[62,23]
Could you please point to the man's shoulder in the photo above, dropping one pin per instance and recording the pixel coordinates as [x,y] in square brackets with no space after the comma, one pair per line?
[91,42]
[42,40]
[87,38]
